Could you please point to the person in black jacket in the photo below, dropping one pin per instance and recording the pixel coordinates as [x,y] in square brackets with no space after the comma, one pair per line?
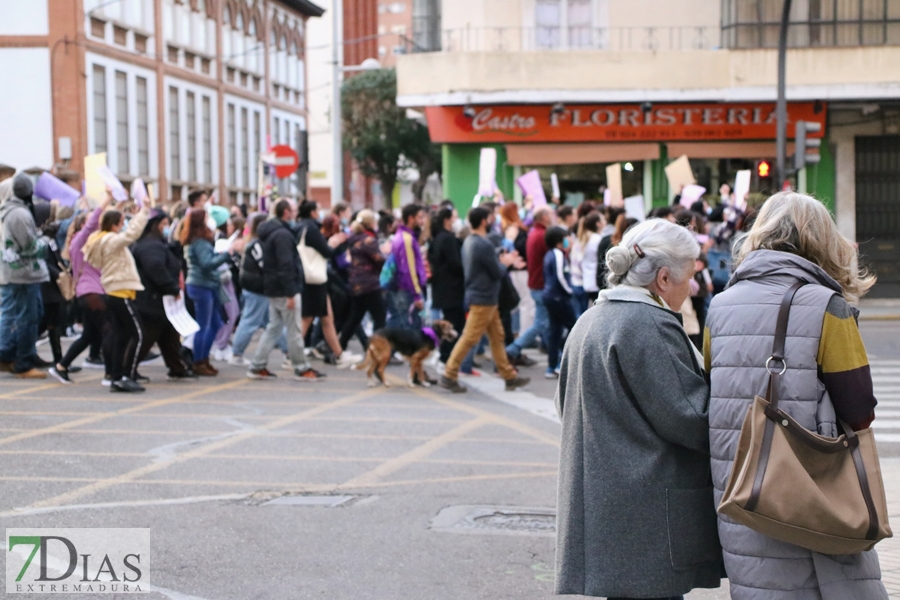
[447,276]
[316,303]
[282,285]
[159,267]
[255,312]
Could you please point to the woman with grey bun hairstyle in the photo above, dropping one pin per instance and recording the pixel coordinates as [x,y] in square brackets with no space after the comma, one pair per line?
[636,517]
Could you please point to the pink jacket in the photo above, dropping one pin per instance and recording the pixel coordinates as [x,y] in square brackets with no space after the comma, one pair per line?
[87,278]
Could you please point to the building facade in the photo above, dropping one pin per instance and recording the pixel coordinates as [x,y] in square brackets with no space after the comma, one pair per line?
[183,93]
[568,86]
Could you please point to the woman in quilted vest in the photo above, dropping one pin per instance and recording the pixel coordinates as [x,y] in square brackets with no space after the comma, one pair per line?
[827,377]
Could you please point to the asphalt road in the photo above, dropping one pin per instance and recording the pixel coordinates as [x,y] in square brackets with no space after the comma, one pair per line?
[200,464]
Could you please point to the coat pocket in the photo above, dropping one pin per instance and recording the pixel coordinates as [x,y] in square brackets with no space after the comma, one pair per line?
[692,528]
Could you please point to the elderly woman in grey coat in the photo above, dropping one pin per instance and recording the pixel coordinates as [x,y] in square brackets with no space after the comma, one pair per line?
[827,375]
[635,511]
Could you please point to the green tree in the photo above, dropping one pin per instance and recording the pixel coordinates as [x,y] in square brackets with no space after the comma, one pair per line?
[378,135]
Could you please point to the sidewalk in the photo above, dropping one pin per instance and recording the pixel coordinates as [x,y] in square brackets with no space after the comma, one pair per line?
[889,550]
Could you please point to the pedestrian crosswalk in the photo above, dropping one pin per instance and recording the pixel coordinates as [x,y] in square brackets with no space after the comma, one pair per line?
[886,378]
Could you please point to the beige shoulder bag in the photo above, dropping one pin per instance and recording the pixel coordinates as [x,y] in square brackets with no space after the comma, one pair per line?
[824,494]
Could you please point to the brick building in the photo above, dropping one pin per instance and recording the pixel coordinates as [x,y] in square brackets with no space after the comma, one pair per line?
[184,93]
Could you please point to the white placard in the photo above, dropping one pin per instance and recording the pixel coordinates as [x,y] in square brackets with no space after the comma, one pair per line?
[139,191]
[690,194]
[112,182]
[634,207]
[487,172]
[179,316]
[741,189]
[554,185]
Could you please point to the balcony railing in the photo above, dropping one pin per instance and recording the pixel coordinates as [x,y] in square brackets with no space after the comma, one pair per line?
[539,39]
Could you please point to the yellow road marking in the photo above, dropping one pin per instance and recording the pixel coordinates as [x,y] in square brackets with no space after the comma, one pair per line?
[135,474]
[124,411]
[416,454]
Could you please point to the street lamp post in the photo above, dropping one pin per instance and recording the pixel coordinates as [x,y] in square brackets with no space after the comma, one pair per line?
[337,56]
[781,105]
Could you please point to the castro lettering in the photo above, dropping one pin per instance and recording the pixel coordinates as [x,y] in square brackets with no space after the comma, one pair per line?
[485,120]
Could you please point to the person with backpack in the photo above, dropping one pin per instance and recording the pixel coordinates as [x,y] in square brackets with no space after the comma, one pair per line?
[255,312]
[283,286]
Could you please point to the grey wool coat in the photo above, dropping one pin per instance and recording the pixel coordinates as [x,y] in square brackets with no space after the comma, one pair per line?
[635,507]
[741,325]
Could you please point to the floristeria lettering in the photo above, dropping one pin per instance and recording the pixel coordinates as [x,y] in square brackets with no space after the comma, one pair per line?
[631,122]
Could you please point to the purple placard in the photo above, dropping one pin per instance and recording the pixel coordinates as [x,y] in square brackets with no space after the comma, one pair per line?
[531,185]
[50,188]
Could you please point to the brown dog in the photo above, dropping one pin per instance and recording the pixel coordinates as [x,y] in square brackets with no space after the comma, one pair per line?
[414,345]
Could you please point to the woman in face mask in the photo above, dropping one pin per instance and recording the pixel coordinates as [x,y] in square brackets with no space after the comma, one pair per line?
[447,277]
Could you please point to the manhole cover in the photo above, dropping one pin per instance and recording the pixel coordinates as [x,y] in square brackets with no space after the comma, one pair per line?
[502,520]
[326,501]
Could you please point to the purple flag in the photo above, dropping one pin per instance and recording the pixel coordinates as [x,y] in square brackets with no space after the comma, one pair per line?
[50,187]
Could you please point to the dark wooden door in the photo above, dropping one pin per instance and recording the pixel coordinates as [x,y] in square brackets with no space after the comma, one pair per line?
[878,210]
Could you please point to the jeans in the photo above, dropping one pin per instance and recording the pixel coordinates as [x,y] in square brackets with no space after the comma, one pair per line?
[232,311]
[254,315]
[539,328]
[482,319]
[21,310]
[279,318]
[579,300]
[403,314]
[562,316]
[208,312]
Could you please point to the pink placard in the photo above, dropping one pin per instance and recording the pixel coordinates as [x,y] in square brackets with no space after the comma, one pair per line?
[530,183]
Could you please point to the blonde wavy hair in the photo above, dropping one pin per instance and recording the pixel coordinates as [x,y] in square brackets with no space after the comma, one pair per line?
[800,224]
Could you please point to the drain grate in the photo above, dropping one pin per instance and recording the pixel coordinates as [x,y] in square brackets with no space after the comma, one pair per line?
[496,520]
[326,501]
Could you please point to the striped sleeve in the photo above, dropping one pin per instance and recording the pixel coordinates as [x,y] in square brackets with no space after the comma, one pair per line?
[844,366]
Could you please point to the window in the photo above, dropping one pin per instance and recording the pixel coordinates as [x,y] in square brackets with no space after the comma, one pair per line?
[564,23]
[756,23]
[245,149]
[174,135]
[143,127]
[547,17]
[207,140]
[122,154]
[232,147]
[191,112]
[99,85]
[277,132]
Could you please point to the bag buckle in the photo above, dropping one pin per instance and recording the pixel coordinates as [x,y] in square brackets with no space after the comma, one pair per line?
[783,365]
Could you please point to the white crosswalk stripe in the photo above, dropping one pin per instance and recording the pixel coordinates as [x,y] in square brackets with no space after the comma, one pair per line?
[886,378]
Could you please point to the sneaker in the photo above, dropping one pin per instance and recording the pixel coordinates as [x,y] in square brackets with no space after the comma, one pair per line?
[347,359]
[238,361]
[170,376]
[516,382]
[522,361]
[287,365]
[316,353]
[126,386]
[74,369]
[309,374]
[31,374]
[215,354]
[551,374]
[452,385]
[40,363]
[107,381]
[138,378]
[60,375]
[260,374]
[92,363]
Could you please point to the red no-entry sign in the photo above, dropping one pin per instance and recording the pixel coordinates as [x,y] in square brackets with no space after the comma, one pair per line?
[286,161]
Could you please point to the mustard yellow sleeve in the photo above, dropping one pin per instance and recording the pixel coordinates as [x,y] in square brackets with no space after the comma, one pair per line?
[707,351]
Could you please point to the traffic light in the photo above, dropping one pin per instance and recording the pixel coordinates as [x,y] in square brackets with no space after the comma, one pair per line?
[763,169]
[804,143]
